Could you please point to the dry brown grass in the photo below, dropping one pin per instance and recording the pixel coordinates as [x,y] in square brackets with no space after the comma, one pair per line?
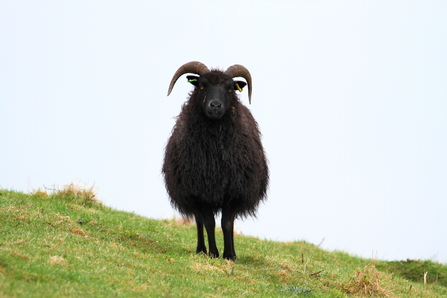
[179,221]
[205,266]
[75,188]
[87,192]
[57,260]
[368,281]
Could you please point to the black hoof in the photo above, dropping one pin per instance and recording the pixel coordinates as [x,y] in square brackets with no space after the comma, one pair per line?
[230,258]
[214,254]
[201,251]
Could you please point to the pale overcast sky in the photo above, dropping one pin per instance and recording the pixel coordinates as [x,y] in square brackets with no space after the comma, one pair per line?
[351,97]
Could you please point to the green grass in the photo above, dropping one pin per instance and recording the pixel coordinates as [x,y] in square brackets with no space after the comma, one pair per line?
[66,244]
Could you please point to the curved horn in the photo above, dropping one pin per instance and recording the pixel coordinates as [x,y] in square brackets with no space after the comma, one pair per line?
[238,70]
[195,67]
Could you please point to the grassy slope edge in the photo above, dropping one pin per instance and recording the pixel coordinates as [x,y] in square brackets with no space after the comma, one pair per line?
[69,245]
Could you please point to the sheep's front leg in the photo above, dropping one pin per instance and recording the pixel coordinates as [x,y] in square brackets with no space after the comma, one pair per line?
[228,216]
[201,248]
[206,217]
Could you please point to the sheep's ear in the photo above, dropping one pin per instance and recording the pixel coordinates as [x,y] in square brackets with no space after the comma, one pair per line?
[193,80]
[239,85]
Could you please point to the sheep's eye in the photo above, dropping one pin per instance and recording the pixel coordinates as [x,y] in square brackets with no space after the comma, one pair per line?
[201,87]
[230,90]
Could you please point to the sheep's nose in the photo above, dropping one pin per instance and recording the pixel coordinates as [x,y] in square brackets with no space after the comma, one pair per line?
[215,109]
[215,104]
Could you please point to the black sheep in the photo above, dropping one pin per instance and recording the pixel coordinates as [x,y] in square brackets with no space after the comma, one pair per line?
[214,160]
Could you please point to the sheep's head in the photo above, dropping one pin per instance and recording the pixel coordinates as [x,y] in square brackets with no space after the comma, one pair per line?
[214,88]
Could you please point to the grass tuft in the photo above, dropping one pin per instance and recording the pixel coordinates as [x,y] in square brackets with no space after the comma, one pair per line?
[76,189]
[369,282]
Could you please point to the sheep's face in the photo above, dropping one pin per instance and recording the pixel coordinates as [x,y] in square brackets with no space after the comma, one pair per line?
[215,91]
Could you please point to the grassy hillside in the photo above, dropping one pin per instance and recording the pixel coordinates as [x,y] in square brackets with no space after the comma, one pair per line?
[66,244]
